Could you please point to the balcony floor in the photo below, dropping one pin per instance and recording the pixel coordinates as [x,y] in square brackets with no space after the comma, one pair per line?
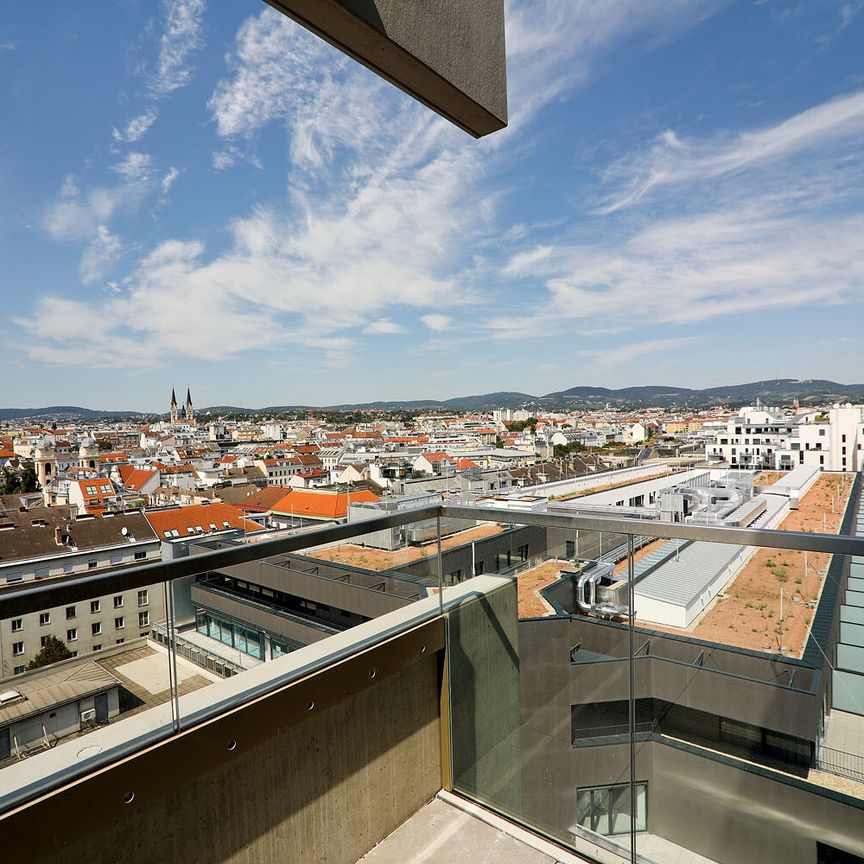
[440,833]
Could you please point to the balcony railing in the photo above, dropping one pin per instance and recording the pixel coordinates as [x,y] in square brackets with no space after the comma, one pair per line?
[496,684]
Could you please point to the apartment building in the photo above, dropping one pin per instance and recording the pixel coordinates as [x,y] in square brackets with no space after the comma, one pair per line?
[51,543]
[761,438]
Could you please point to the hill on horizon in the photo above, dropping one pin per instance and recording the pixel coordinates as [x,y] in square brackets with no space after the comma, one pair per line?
[778,390]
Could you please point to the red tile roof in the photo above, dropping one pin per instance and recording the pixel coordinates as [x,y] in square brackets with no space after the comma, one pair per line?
[262,501]
[136,478]
[437,456]
[199,519]
[462,464]
[320,503]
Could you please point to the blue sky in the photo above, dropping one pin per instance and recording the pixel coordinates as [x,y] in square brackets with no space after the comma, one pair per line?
[198,192]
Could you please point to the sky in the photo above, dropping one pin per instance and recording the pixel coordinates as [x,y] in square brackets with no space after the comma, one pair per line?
[200,193]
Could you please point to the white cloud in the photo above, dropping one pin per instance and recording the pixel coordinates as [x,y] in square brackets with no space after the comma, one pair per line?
[75,214]
[137,127]
[386,204]
[169,179]
[382,326]
[134,166]
[7,46]
[674,161]
[621,355]
[182,36]
[99,255]
[438,323]
[693,268]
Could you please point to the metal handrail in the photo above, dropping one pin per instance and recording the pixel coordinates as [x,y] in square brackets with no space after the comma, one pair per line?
[839,762]
[29,597]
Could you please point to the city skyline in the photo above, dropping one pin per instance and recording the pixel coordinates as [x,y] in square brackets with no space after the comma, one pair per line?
[677,199]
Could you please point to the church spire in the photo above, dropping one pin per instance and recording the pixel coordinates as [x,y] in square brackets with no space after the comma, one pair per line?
[174,417]
[190,411]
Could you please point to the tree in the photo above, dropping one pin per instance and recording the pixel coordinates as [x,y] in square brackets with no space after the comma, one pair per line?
[29,480]
[103,444]
[498,442]
[562,450]
[10,482]
[53,651]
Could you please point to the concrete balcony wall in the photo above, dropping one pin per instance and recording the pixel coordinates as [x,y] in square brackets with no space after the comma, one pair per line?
[326,788]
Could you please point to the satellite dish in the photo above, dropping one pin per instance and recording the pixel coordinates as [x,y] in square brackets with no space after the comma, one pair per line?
[124,530]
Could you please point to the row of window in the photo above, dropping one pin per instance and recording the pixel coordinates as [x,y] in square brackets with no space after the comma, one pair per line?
[173,532]
[95,608]
[95,630]
[69,566]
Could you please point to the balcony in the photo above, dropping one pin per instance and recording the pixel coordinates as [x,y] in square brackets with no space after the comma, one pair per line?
[329,712]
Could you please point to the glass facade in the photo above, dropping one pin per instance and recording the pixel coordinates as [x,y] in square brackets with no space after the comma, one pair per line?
[230,633]
[606,809]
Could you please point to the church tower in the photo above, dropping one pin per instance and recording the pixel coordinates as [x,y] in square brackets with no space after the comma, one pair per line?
[174,418]
[190,411]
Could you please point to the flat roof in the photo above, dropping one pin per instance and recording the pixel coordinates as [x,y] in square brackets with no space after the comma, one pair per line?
[56,685]
[681,579]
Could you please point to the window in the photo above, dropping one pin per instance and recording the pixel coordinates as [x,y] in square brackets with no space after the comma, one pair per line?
[14,577]
[523,552]
[119,623]
[70,612]
[140,556]
[606,809]
[570,549]
[17,625]
[143,598]
[72,634]
[92,565]
[116,557]
[119,641]
[96,628]
[118,601]
[68,566]
[44,618]
[42,572]
[479,567]
[17,649]
[94,606]
[143,619]
[97,647]
[18,670]
[42,641]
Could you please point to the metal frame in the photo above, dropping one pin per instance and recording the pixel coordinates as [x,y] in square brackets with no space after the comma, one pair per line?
[36,596]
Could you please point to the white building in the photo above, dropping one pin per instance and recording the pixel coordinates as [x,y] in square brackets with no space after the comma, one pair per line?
[764,438]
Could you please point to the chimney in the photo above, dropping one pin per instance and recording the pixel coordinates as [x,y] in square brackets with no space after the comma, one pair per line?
[58,535]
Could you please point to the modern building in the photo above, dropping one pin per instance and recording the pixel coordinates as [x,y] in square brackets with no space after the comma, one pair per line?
[766,438]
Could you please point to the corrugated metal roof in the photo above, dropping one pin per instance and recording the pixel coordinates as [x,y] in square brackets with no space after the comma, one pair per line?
[680,580]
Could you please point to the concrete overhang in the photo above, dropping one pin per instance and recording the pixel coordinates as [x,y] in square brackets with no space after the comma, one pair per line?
[448,54]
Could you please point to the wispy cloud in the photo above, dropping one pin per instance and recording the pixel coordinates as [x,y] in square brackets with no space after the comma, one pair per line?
[382,326]
[137,127]
[8,46]
[439,323]
[182,36]
[134,167]
[609,358]
[673,160]
[691,269]
[99,255]
[169,178]
[386,205]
